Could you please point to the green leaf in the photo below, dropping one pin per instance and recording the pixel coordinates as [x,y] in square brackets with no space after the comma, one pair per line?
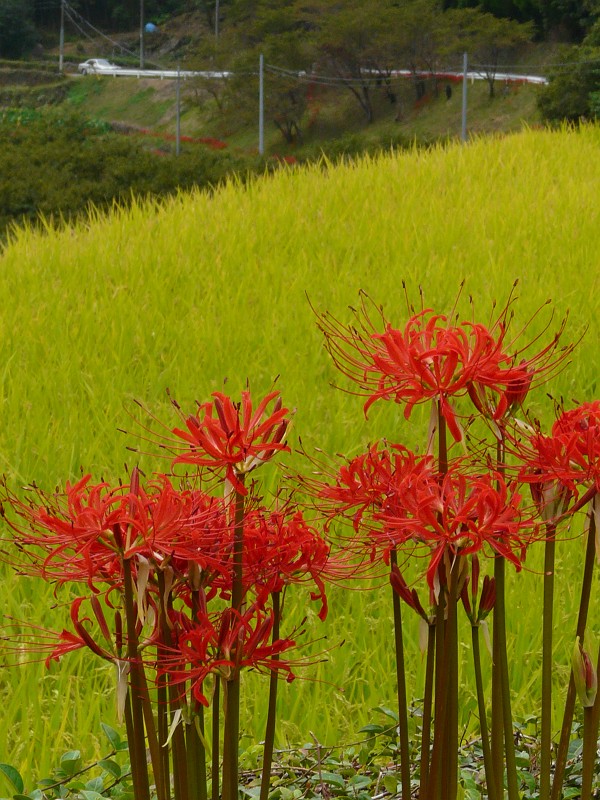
[112,735]
[373,728]
[87,795]
[251,791]
[391,783]
[359,781]
[70,762]
[111,767]
[388,712]
[95,785]
[332,778]
[471,792]
[13,776]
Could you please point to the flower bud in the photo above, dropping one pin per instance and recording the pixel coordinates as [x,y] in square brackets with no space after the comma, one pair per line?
[586,680]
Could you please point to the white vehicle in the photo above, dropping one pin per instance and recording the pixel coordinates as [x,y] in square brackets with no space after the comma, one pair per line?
[96,66]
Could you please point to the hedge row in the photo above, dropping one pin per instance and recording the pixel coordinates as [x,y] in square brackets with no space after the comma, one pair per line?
[56,167]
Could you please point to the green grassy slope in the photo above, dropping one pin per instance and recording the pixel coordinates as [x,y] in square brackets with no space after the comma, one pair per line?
[206,288]
[151,103]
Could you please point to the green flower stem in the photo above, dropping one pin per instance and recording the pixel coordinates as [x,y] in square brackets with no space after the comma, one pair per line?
[584,604]
[137,742]
[163,731]
[215,739]
[590,745]
[427,703]
[178,749]
[272,707]
[451,761]
[497,718]
[485,739]
[500,620]
[497,725]
[439,758]
[135,770]
[232,686]
[435,769]
[548,619]
[401,689]
[196,754]
[155,754]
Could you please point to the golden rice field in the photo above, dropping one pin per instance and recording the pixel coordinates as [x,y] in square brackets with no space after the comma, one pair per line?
[210,288]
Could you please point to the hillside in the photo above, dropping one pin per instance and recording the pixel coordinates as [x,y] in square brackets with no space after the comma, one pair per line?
[331,111]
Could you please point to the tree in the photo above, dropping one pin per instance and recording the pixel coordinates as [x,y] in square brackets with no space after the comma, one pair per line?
[488,39]
[17,34]
[571,91]
[424,37]
[356,47]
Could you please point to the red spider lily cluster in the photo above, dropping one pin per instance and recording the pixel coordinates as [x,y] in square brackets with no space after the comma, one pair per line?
[186,577]
[186,583]
[454,510]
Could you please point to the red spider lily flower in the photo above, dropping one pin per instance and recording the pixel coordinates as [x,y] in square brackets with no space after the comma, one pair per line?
[74,536]
[558,466]
[372,481]
[234,437]
[180,527]
[410,596]
[24,640]
[84,534]
[67,643]
[380,484]
[465,514]
[226,643]
[580,430]
[55,645]
[433,359]
[280,548]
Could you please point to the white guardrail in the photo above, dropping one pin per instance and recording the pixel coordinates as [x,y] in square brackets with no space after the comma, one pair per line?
[155,73]
[405,73]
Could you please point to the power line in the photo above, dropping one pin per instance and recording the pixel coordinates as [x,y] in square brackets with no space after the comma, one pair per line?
[69,10]
[74,23]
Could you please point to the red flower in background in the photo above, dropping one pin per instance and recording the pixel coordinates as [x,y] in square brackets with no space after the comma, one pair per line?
[234,437]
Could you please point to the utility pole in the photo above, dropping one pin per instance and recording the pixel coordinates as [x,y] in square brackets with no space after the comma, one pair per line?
[61,45]
[216,23]
[141,34]
[463,132]
[178,130]
[261,106]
